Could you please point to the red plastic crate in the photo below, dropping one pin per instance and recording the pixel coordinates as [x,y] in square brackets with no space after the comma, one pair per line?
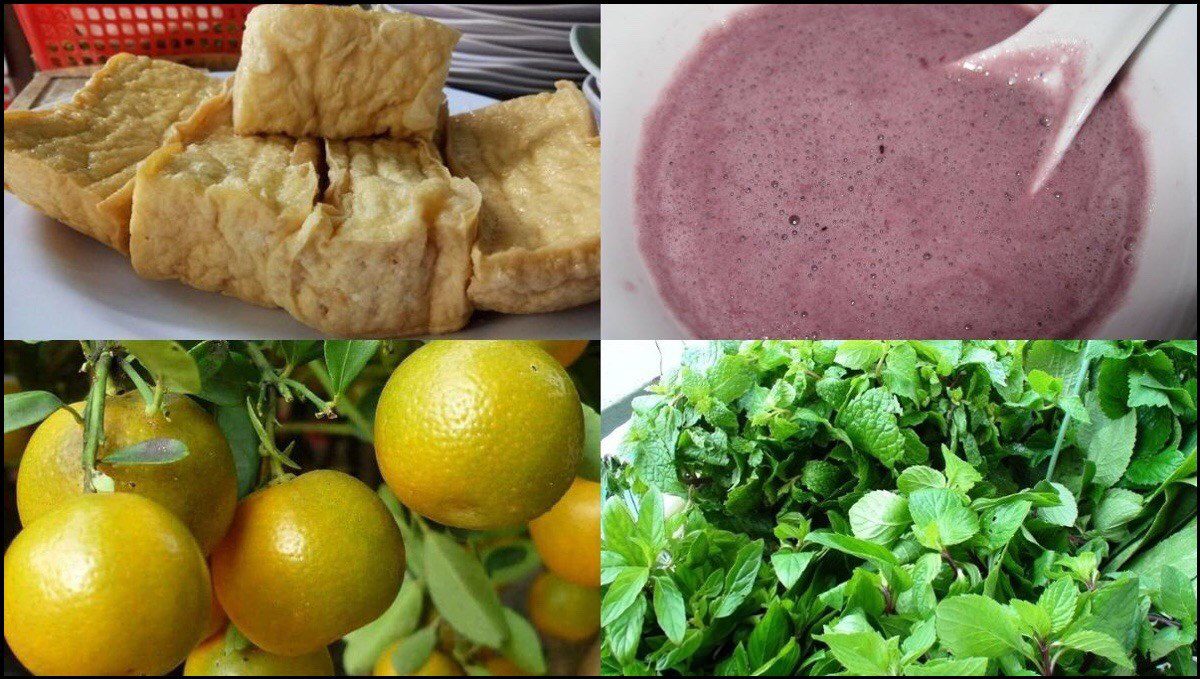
[80,35]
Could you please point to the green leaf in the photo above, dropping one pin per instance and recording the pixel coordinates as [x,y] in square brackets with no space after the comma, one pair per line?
[900,372]
[940,519]
[961,476]
[1108,443]
[770,635]
[853,546]
[740,580]
[949,667]
[623,631]
[1178,550]
[1001,522]
[365,644]
[152,452]
[918,477]
[28,408]
[880,516]
[523,646]
[413,651]
[462,592]
[1176,595]
[1058,601]
[589,468]
[1035,618]
[869,421]
[789,565]
[1065,513]
[862,653]
[1099,644]
[972,625]
[169,362]
[731,377]
[346,359]
[859,354]
[623,592]
[1117,508]
[669,608]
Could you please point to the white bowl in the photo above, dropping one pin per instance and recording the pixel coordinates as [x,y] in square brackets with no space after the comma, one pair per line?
[644,43]
[591,90]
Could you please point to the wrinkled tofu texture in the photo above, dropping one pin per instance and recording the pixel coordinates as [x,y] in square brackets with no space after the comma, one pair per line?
[74,161]
[388,253]
[212,208]
[536,160]
[340,72]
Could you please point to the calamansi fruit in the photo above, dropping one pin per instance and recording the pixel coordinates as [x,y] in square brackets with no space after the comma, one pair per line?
[107,584]
[438,665]
[308,560]
[217,657]
[216,616]
[499,666]
[201,488]
[590,665]
[564,610]
[568,536]
[479,434]
[15,440]
[565,352]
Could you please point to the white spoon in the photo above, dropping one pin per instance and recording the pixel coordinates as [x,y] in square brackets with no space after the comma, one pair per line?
[1076,48]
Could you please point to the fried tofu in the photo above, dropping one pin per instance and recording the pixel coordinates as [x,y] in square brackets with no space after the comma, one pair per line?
[386,253]
[213,209]
[75,161]
[340,72]
[389,251]
[536,160]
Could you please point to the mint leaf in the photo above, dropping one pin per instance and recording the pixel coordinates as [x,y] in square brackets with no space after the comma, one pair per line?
[973,625]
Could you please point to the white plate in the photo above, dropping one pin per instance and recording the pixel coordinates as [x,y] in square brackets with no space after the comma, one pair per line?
[645,42]
[475,47]
[60,284]
[466,12]
[567,13]
[537,42]
[487,83]
[541,83]
[517,72]
[476,26]
[528,66]
[541,61]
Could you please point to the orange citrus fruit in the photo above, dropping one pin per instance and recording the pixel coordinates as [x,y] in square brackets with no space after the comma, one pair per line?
[479,434]
[308,560]
[107,584]
[201,488]
[216,615]
[564,610]
[438,665]
[568,536]
[216,657]
[590,665]
[565,352]
[499,666]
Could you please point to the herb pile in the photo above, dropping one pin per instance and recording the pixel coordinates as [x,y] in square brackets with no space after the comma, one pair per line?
[907,508]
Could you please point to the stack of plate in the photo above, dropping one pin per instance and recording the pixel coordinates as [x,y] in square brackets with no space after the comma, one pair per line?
[509,50]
